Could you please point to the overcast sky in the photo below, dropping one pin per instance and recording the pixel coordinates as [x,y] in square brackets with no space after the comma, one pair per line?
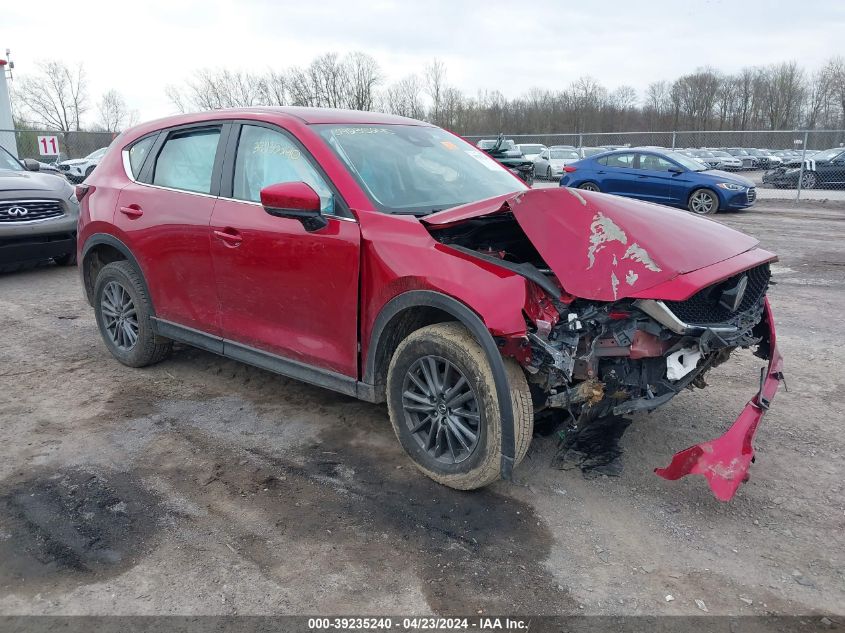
[140,47]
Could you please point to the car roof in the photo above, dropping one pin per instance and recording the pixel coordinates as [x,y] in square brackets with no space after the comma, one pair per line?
[299,114]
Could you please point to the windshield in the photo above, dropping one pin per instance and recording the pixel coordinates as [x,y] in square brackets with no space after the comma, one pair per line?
[828,153]
[592,151]
[7,161]
[416,169]
[531,149]
[686,162]
[562,154]
[721,155]
[98,153]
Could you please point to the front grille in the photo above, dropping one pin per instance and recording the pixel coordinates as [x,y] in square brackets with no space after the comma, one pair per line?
[29,210]
[704,307]
[751,194]
[64,167]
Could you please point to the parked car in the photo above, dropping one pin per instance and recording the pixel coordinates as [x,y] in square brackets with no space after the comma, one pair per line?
[664,177]
[551,162]
[748,161]
[725,160]
[507,153]
[768,159]
[702,156]
[389,260]
[824,170]
[38,215]
[531,150]
[78,169]
[586,152]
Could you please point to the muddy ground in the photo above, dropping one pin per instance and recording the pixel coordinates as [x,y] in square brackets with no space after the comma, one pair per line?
[203,486]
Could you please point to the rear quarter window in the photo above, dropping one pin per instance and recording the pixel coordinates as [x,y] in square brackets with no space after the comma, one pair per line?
[138,152]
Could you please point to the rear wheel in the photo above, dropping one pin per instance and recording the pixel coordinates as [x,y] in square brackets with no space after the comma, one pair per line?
[589,186]
[703,202]
[123,312]
[444,407]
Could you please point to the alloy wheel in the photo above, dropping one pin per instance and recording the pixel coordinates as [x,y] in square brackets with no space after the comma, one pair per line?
[588,186]
[701,202]
[441,409]
[119,316]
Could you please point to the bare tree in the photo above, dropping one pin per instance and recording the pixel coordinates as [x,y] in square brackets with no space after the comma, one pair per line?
[220,88]
[435,83]
[114,116]
[56,97]
[405,98]
[364,76]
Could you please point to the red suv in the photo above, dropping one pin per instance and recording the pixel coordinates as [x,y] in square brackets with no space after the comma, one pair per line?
[389,260]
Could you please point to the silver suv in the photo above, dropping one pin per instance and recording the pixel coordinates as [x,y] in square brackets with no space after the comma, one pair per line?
[38,215]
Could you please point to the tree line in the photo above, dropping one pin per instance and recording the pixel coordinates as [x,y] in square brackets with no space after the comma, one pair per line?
[781,96]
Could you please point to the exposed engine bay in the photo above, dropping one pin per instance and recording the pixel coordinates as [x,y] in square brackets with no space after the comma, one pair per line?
[598,361]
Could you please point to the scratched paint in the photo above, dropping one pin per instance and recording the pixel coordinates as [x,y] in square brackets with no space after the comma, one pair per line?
[631,278]
[637,253]
[603,231]
[575,193]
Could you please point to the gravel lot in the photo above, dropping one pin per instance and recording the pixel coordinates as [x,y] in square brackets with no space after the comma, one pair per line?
[202,486]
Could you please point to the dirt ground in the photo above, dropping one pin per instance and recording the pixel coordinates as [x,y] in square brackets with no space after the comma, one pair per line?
[203,486]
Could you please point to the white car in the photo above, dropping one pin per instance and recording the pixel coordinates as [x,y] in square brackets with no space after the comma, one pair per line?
[551,162]
[78,169]
[531,150]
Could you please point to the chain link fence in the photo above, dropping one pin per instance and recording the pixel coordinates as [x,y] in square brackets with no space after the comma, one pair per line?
[39,144]
[797,160]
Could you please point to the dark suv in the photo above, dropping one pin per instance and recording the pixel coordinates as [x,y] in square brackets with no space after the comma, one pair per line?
[389,260]
[38,215]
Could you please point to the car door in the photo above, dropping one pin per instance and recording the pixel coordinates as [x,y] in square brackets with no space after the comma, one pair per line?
[832,172]
[541,164]
[284,290]
[163,216]
[654,178]
[617,175]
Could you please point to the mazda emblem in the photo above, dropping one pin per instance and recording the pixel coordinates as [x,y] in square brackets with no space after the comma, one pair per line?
[731,299]
[17,212]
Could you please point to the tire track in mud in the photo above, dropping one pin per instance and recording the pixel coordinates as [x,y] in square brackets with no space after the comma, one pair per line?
[374,509]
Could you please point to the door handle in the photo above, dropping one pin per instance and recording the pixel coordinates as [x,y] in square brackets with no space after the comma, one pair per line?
[230,236]
[132,211]
[642,176]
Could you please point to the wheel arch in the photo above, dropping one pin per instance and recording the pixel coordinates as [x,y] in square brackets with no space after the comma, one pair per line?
[415,309]
[101,249]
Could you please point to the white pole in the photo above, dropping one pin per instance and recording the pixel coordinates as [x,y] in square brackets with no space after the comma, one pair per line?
[7,127]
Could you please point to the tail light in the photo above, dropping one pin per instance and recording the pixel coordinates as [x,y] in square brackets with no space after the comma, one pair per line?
[83,190]
[569,169]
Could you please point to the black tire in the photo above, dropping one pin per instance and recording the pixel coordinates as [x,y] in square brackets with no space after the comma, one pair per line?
[68,259]
[89,170]
[589,186]
[529,178]
[549,173]
[147,348]
[809,180]
[480,463]
[703,202]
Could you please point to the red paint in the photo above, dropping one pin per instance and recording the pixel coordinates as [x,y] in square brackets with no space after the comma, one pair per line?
[290,195]
[725,461]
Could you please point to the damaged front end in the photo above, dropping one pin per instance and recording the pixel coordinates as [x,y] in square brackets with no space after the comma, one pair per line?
[599,360]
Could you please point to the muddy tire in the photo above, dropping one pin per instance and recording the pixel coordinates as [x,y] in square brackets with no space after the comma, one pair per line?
[123,312]
[443,406]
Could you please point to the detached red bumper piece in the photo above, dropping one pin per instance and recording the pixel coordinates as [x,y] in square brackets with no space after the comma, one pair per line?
[725,461]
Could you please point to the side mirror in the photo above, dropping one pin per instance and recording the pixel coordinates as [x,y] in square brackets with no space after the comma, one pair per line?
[295,200]
[676,170]
[31,165]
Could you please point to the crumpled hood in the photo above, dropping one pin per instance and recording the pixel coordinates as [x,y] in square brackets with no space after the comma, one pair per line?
[604,247]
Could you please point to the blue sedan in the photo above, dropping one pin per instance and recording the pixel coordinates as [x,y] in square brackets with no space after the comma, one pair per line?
[664,177]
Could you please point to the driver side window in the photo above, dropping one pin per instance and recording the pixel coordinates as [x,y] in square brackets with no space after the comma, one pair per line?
[266,157]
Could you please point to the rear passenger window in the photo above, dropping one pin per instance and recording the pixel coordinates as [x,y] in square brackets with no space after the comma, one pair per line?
[138,152]
[617,160]
[187,160]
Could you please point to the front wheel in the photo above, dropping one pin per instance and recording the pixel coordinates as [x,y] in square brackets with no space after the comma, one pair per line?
[703,202]
[809,180]
[444,406]
[549,173]
[589,186]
